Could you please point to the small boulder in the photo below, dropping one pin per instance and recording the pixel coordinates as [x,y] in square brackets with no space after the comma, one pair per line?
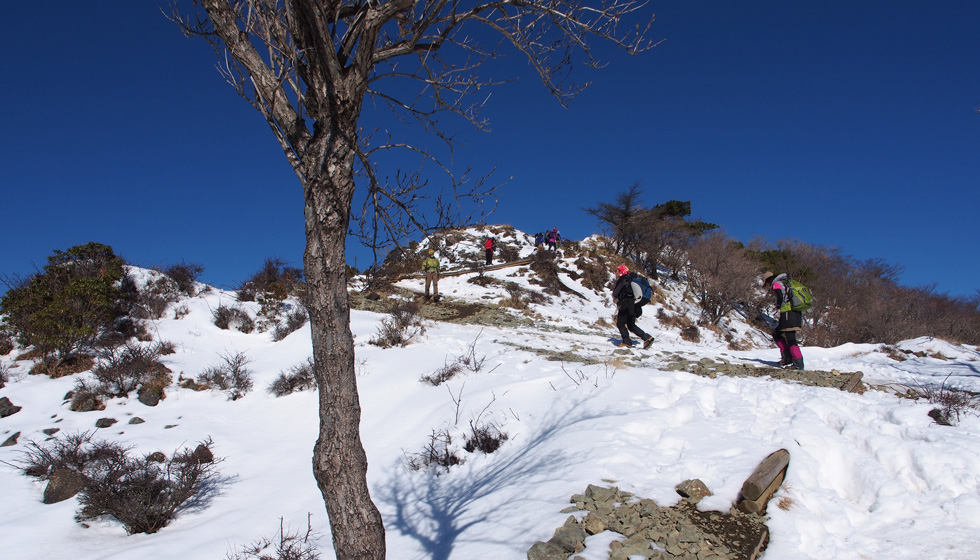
[546,551]
[8,408]
[694,490]
[105,422]
[12,440]
[63,484]
[148,395]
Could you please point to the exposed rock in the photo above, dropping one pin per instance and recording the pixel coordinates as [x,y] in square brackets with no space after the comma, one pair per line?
[681,531]
[136,420]
[156,457]
[63,484]
[148,395]
[7,408]
[12,440]
[201,455]
[546,551]
[694,490]
[105,422]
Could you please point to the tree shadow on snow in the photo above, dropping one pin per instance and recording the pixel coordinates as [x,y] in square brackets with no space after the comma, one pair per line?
[436,509]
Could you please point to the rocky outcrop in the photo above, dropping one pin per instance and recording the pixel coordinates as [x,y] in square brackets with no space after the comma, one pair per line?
[653,532]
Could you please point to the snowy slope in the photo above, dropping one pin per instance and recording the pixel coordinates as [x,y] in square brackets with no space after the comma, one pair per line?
[871,475]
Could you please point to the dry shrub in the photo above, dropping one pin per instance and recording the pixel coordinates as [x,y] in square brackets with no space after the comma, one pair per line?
[293,321]
[443,374]
[485,437]
[721,275]
[122,370]
[437,456]
[155,297]
[184,276]
[226,317]
[233,376]
[6,343]
[298,378]
[55,368]
[286,546]
[952,402]
[402,326]
[143,493]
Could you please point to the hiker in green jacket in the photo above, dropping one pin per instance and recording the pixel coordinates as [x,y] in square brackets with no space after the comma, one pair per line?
[431,268]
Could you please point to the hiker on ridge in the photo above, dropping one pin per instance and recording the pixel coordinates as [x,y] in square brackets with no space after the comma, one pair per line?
[628,295]
[790,322]
[490,246]
[554,239]
[431,268]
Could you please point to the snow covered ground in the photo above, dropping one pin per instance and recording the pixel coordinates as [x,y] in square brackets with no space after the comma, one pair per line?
[871,476]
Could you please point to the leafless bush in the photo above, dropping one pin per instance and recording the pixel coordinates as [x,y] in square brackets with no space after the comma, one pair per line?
[275,277]
[120,371]
[4,374]
[293,321]
[232,377]
[184,275]
[691,334]
[721,275]
[595,272]
[286,546]
[403,324]
[520,297]
[85,397]
[140,492]
[226,317]
[6,342]
[72,451]
[952,402]
[438,455]
[297,378]
[155,297]
[485,437]
[443,374]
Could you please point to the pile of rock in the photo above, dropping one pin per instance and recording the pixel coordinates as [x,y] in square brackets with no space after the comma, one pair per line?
[654,532]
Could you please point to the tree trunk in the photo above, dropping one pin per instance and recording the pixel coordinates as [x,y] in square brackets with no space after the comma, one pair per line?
[339,460]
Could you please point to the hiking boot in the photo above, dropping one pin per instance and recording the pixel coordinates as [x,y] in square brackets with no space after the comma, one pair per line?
[626,344]
[647,343]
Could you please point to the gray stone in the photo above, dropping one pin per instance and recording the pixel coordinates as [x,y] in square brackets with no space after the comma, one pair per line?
[148,395]
[12,440]
[546,551]
[8,408]
[63,484]
[694,490]
[570,537]
[136,420]
[105,422]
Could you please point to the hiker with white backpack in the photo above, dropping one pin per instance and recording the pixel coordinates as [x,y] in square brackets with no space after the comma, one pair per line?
[631,293]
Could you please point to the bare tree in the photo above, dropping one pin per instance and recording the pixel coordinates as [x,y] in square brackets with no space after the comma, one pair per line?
[721,275]
[307,66]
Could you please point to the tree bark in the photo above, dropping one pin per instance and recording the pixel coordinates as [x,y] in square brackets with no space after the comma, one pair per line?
[339,459]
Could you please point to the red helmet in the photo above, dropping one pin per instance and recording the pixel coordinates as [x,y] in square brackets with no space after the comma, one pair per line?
[623,269]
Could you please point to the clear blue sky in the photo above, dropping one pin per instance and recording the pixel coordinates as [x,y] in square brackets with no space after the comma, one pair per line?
[118,129]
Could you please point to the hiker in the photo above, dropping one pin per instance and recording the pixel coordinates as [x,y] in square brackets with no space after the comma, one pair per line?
[431,268]
[490,246]
[539,240]
[554,239]
[790,322]
[628,294]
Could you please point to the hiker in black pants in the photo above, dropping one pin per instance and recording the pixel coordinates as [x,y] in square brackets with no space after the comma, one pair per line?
[790,322]
[626,293]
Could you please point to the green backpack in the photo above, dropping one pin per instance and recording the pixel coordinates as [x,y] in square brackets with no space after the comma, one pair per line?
[800,297]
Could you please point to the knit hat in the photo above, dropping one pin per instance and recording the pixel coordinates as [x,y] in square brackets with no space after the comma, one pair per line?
[623,269]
